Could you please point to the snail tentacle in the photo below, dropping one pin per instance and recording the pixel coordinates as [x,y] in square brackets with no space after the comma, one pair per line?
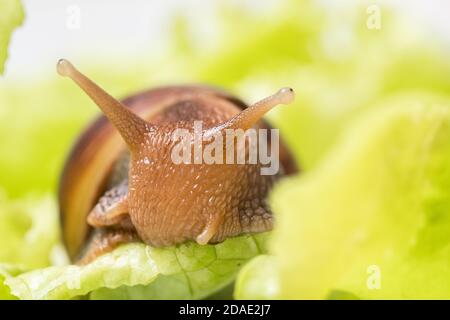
[131,127]
[248,117]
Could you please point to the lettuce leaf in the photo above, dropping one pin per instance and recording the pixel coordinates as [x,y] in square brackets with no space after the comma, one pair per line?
[7,271]
[11,16]
[258,279]
[373,218]
[338,68]
[137,271]
[29,229]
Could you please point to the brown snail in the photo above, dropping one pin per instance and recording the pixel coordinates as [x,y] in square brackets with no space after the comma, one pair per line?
[120,184]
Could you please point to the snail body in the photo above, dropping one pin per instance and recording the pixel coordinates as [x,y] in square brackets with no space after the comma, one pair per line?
[120,183]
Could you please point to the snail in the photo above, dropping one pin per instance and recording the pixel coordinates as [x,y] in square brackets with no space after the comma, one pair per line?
[120,185]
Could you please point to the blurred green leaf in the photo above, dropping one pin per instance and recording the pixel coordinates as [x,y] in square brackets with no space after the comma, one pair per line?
[7,271]
[11,16]
[29,231]
[379,201]
[258,279]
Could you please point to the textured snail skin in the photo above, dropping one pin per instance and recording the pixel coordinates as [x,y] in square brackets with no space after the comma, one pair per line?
[170,203]
[165,203]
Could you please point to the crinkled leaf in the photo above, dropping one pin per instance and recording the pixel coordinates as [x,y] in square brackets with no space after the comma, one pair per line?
[11,16]
[141,272]
[129,265]
[191,271]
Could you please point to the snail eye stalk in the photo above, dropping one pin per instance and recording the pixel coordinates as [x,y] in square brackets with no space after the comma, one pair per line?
[131,127]
[248,117]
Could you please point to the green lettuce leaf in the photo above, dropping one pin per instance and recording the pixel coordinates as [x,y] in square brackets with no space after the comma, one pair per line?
[137,271]
[11,16]
[29,229]
[258,279]
[7,271]
[373,218]
[339,68]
